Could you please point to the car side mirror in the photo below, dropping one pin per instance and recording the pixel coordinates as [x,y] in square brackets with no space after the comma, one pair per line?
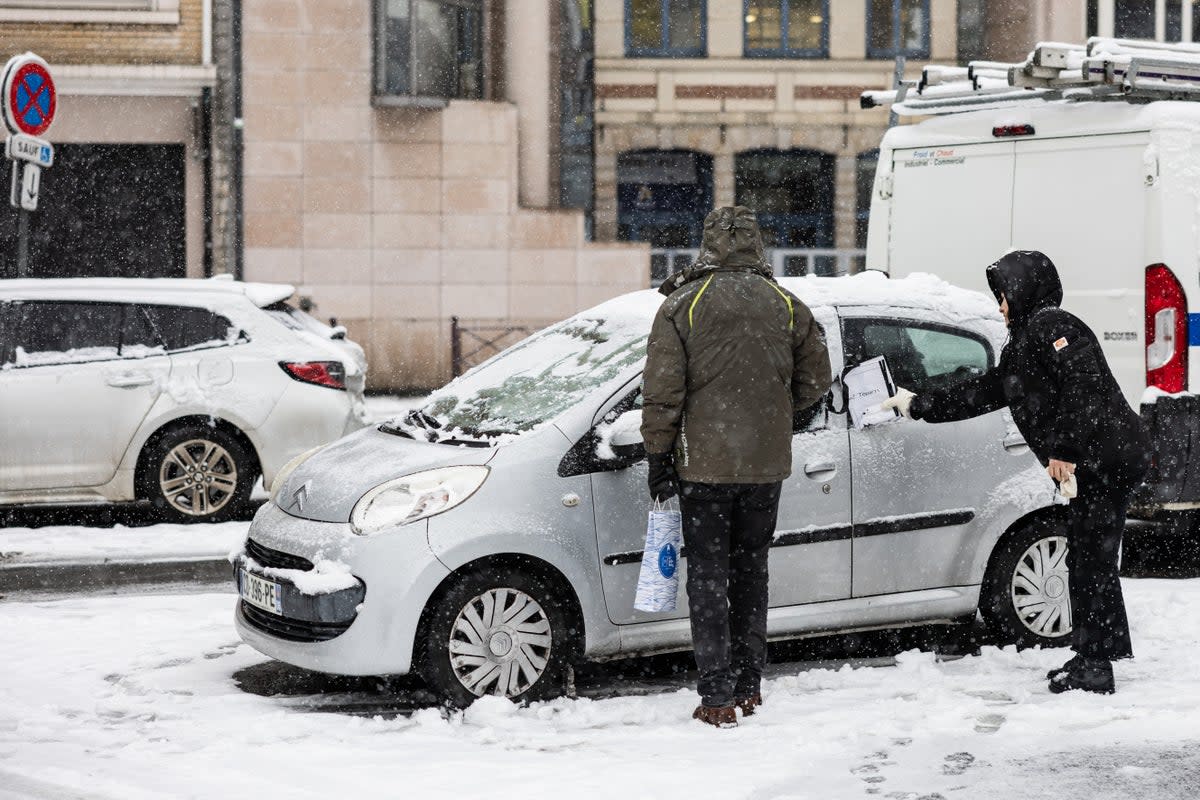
[624,438]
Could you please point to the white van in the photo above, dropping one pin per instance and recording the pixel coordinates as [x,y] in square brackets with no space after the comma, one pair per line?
[1090,154]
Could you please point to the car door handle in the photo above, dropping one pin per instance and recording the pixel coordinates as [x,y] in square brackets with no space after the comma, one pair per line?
[1016,444]
[130,381]
[820,470]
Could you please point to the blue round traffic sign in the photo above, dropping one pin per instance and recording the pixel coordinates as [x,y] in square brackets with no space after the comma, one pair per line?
[30,98]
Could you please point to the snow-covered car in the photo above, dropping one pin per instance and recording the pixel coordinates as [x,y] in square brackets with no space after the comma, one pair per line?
[494,535]
[179,392]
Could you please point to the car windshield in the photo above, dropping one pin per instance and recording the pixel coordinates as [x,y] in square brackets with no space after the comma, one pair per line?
[534,381]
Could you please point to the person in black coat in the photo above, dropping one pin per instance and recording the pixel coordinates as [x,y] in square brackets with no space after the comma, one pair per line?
[1054,378]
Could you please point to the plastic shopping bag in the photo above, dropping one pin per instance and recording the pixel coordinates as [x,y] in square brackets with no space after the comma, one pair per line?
[658,582]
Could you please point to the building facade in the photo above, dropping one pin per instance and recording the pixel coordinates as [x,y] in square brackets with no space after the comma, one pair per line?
[404,165]
[130,192]
[713,102]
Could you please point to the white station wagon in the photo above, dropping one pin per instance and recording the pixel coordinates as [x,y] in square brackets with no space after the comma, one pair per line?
[179,392]
[493,535]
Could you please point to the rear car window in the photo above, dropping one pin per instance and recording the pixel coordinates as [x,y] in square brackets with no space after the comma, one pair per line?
[187,328]
[48,332]
[921,358]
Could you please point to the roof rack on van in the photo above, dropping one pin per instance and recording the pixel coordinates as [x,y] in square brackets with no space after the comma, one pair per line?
[1101,69]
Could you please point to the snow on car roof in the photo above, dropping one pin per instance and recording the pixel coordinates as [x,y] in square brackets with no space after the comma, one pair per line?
[920,291]
[261,294]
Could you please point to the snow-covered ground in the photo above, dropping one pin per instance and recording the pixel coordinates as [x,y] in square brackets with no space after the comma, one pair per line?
[76,543]
[136,697]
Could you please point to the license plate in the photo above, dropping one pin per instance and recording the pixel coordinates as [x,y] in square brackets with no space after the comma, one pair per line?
[261,593]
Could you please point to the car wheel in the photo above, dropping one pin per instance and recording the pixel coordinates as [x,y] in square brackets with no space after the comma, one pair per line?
[1025,598]
[497,634]
[198,474]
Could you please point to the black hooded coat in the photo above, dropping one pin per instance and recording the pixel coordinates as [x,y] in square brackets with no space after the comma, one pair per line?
[1052,375]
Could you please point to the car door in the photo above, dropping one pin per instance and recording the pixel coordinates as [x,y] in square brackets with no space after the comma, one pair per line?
[918,486]
[81,378]
[810,559]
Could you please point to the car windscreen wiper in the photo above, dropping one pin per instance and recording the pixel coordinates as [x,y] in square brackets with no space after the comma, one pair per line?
[414,419]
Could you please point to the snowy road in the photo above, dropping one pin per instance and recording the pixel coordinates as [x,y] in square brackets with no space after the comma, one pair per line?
[139,696]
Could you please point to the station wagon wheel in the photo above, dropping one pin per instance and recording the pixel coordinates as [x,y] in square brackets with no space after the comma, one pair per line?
[1025,598]
[196,473]
[496,634]
[198,477]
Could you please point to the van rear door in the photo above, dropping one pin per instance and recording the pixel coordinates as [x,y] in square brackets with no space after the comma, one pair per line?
[1083,202]
[951,210]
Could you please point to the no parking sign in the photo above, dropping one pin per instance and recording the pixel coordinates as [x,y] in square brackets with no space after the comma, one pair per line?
[30,98]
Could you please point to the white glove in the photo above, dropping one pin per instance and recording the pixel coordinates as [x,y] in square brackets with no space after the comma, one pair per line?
[900,401]
[1069,488]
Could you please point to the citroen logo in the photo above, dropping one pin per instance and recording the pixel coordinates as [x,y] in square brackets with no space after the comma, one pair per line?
[300,496]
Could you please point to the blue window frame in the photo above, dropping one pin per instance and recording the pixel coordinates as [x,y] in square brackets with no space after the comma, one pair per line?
[914,28]
[665,28]
[786,28]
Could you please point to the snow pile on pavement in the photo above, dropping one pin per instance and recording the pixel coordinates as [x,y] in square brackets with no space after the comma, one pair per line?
[77,544]
[136,697]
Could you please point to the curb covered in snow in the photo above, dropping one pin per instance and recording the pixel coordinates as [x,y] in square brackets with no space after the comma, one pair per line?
[84,576]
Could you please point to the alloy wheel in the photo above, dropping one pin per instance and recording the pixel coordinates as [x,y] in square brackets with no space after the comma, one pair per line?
[500,643]
[1040,593]
[198,477]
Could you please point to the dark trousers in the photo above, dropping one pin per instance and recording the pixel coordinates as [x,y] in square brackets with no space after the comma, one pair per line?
[727,530]
[1096,523]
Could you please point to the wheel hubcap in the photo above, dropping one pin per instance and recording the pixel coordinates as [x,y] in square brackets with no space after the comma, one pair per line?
[198,477]
[500,643]
[1039,588]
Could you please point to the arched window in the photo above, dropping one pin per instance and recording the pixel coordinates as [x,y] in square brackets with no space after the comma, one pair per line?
[791,191]
[864,182]
[662,196]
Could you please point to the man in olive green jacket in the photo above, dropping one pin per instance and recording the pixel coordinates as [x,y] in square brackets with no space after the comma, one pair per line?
[734,359]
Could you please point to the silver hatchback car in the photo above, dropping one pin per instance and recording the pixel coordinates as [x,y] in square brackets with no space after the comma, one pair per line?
[493,536]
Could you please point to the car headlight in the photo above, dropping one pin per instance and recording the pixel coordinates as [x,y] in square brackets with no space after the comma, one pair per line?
[415,497]
[286,472]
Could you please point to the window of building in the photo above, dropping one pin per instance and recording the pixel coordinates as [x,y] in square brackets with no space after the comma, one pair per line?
[972,30]
[787,28]
[864,181]
[1140,19]
[791,192]
[662,198]
[664,28]
[913,30]
[428,50]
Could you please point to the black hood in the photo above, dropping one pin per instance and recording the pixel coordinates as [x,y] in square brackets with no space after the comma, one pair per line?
[1029,280]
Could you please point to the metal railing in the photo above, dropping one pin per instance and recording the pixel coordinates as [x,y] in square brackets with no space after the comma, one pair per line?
[786,262]
[472,342]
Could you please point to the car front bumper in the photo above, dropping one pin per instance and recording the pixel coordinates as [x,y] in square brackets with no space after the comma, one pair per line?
[367,629]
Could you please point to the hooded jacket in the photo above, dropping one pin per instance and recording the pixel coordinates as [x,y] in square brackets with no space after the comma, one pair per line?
[731,355]
[1052,375]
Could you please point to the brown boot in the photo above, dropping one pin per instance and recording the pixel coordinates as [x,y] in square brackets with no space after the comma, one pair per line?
[748,705]
[717,716]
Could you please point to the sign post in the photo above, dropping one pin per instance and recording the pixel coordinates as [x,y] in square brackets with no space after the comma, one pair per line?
[29,100]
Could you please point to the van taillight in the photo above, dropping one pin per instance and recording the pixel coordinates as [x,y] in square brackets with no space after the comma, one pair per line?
[1166,330]
[319,373]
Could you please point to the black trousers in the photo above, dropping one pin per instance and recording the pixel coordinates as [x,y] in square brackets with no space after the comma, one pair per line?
[1096,523]
[727,530]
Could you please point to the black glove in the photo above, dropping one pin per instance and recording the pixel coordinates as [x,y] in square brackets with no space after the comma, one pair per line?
[662,478]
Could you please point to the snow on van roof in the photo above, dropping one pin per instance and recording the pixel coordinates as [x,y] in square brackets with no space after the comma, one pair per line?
[1050,119]
[871,288]
[261,294]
